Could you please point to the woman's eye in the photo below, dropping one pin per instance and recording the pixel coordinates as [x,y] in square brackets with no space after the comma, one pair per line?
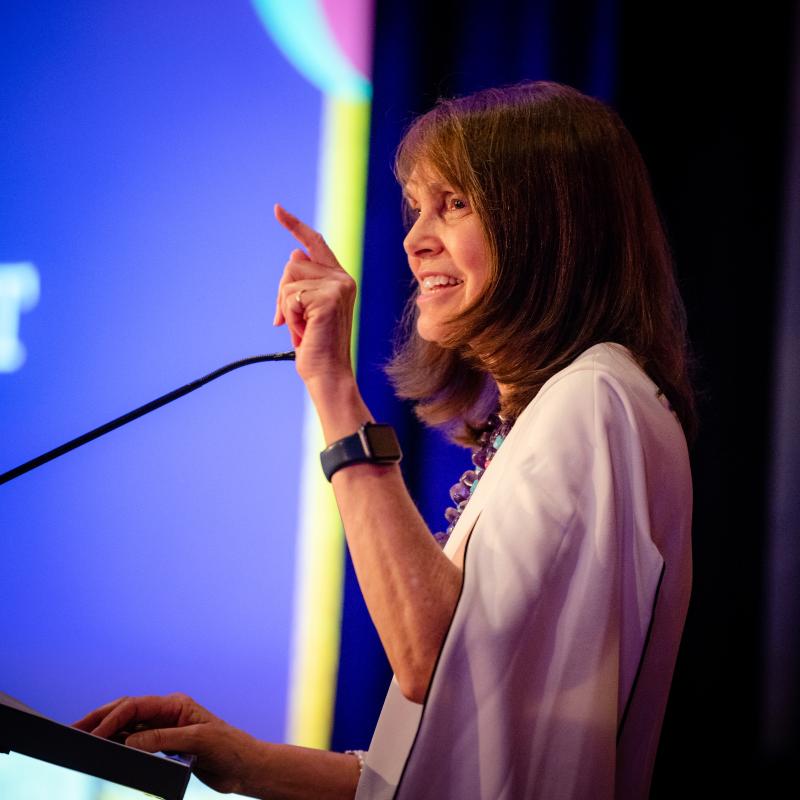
[457,204]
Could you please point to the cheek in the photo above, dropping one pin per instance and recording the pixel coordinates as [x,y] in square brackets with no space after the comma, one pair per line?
[478,271]
[475,257]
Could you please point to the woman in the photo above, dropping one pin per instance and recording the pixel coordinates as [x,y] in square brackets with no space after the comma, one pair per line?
[537,662]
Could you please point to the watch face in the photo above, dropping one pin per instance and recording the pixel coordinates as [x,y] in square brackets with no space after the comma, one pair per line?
[383,442]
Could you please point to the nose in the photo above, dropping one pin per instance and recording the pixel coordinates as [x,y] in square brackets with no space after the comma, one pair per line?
[422,240]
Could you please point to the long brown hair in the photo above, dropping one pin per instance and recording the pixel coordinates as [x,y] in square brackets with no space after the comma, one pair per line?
[578,255]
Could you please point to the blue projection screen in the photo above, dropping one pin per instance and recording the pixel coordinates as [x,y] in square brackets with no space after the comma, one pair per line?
[143,145]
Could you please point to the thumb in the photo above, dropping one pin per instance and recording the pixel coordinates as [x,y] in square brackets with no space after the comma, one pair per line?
[177,740]
[299,255]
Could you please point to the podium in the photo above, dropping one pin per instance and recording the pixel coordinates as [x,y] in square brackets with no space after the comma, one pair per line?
[24,731]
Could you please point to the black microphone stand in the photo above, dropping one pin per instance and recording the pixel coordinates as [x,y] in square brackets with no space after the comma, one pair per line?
[139,412]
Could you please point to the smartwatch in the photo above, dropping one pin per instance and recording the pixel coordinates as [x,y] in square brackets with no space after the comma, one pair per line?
[371,443]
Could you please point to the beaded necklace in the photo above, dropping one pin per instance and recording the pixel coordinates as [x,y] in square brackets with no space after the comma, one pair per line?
[493,436]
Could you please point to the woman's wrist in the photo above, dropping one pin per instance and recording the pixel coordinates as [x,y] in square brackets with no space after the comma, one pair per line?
[339,405]
[289,772]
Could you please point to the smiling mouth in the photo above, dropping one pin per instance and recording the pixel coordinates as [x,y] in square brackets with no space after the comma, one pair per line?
[437,283]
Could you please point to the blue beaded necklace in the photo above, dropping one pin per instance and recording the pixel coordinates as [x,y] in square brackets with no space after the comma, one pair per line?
[493,436]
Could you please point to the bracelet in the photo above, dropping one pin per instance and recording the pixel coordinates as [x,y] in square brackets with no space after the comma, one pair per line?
[359,754]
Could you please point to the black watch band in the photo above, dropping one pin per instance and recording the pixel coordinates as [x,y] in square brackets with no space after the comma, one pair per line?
[371,443]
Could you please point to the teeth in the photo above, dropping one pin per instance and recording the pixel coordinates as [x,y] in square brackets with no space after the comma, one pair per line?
[432,281]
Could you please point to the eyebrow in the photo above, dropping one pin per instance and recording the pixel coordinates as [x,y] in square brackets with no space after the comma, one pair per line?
[436,187]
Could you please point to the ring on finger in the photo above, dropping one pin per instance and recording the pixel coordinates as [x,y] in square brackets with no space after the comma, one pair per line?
[299,298]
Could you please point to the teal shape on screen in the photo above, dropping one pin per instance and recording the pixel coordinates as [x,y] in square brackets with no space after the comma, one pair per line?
[301,30]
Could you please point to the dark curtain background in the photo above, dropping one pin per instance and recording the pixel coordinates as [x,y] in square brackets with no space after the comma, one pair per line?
[706,92]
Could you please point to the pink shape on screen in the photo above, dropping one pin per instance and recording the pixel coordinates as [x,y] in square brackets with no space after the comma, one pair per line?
[350,22]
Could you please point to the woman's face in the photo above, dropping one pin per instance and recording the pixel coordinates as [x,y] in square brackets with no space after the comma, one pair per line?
[447,251]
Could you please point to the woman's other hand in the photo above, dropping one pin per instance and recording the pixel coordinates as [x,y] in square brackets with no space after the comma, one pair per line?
[176,723]
[315,300]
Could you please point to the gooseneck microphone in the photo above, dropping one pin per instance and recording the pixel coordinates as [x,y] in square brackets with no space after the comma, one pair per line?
[139,412]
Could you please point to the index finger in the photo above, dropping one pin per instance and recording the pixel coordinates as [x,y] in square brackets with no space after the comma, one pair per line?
[312,240]
[93,718]
[154,711]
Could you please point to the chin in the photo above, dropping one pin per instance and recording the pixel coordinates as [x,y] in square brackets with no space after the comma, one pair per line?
[429,331]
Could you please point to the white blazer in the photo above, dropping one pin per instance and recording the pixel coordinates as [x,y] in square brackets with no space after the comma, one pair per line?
[554,676]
